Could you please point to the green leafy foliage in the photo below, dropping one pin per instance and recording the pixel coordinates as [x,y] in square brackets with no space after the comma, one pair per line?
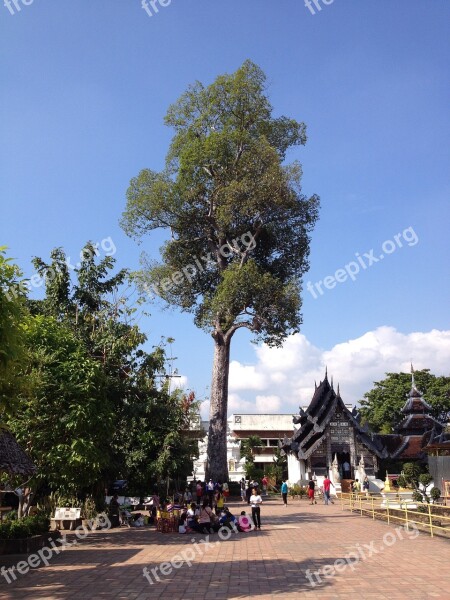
[94,411]
[24,528]
[13,316]
[225,178]
[249,447]
[414,477]
[63,420]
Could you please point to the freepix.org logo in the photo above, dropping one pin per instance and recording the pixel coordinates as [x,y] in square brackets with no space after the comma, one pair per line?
[152,7]
[16,5]
[362,262]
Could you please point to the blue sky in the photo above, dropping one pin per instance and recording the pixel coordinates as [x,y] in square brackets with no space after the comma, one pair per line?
[87,87]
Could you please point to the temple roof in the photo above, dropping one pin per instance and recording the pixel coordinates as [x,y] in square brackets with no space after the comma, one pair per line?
[315,420]
[13,459]
[418,419]
[437,440]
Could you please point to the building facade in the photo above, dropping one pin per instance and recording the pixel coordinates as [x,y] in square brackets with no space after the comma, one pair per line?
[270,428]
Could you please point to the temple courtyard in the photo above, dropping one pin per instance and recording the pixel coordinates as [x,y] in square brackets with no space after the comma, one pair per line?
[320,551]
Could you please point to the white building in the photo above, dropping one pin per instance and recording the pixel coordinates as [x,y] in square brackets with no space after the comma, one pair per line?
[270,428]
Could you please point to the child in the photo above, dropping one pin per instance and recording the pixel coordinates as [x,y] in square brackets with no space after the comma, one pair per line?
[244,523]
[182,523]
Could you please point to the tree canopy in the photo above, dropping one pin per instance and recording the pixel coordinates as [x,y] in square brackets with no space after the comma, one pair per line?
[94,409]
[381,406]
[13,316]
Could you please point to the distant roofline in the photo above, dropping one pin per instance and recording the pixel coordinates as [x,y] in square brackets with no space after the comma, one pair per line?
[263,414]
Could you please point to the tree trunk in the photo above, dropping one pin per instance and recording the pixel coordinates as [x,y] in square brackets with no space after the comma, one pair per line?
[217,465]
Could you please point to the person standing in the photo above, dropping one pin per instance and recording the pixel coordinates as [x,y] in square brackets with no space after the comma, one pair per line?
[284,492]
[243,495]
[248,492]
[326,489]
[255,503]
[114,511]
[219,502]
[210,489]
[311,489]
[356,487]
[264,482]
[366,485]
[346,470]
[199,492]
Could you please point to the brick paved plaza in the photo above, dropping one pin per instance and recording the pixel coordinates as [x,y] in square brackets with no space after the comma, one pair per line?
[270,563]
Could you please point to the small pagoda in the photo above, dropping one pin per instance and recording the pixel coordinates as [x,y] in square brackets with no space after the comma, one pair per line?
[409,439]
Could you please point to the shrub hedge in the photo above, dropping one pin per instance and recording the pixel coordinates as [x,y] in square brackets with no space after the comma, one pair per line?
[24,528]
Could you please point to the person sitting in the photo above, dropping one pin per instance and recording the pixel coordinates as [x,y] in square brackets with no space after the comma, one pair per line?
[182,523]
[205,519]
[126,518]
[227,519]
[138,520]
[245,524]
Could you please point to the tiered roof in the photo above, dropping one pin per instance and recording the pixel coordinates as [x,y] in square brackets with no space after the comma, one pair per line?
[314,421]
[418,419]
[410,437]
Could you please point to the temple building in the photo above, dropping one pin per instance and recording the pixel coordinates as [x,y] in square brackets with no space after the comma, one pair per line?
[330,439]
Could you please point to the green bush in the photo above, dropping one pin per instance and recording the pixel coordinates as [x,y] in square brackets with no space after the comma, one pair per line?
[294,490]
[24,528]
[435,493]
[302,492]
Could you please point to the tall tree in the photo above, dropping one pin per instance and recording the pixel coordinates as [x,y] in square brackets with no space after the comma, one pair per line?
[239,224]
[381,407]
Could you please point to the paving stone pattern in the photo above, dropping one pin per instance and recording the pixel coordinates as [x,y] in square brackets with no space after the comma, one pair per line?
[267,564]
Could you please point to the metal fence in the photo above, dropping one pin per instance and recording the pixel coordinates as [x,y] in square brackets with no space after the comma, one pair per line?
[434,519]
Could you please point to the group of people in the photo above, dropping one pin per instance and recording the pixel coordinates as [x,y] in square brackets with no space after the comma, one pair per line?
[202,519]
[356,486]
[248,486]
[213,493]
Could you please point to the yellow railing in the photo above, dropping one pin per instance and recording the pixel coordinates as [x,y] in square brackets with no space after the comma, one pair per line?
[426,519]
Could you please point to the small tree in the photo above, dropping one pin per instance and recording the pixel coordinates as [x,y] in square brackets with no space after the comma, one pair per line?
[413,477]
[248,450]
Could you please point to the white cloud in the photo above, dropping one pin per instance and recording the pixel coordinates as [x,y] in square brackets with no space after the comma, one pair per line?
[284,377]
[268,404]
[246,377]
[180,382]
